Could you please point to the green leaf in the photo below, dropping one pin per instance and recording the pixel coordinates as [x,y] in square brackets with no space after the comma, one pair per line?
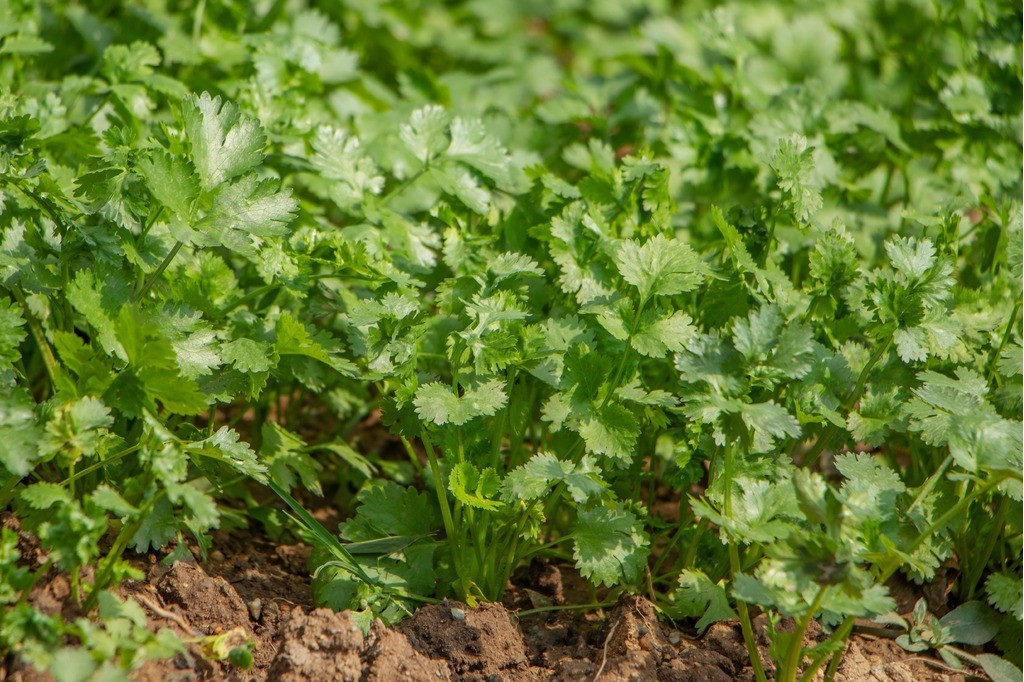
[426,134]
[387,509]
[668,334]
[475,487]
[339,158]
[45,495]
[612,431]
[287,459]
[543,471]
[247,356]
[971,623]
[11,334]
[471,145]
[294,339]
[172,180]
[698,597]
[1004,593]
[999,669]
[610,545]
[224,143]
[659,267]
[436,403]
[99,305]
[19,432]
[793,163]
[910,256]
[243,214]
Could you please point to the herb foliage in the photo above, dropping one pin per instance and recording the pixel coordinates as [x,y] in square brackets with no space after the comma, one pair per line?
[762,260]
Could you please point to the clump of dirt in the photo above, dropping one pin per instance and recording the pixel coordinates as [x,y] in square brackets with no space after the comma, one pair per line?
[320,645]
[209,603]
[389,655]
[478,643]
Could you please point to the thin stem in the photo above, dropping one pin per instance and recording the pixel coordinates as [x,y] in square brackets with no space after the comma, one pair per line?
[99,465]
[980,559]
[826,438]
[794,652]
[745,624]
[446,513]
[49,361]
[412,456]
[155,275]
[614,386]
[197,23]
[565,607]
[1007,335]
[735,567]
[400,188]
[926,489]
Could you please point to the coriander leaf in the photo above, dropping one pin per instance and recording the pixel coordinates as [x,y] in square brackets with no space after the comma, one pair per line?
[340,159]
[388,509]
[223,142]
[659,267]
[11,334]
[698,597]
[19,432]
[436,403]
[1004,594]
[610,545]
[475,487]
[244,213]
[172,180]
[471,145]
[612,431]
[667,334]
[543,471]
[426,133]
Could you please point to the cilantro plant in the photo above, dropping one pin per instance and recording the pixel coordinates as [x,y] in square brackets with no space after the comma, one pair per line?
[719,303]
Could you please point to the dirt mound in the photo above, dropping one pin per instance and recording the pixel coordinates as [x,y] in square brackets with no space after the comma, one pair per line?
[478,643]
[320,645]
[390,656]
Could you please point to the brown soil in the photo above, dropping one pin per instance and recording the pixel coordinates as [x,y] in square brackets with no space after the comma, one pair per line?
[261,588]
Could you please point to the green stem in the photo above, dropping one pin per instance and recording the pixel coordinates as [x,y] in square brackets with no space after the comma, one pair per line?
[980,559]
[565,607]
[827,437]
[1007,335]
[745,624]
[735,568]
[400,188]
[794,652]
[926,489]
[197,23]
[614,386]
[99,465]
[691,551]
[412,456]
[155,275]
[446,514]
[106,568]
[49,361]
